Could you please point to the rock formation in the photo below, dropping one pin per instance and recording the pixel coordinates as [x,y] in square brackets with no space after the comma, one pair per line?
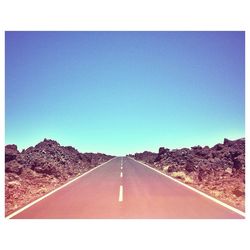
[219,170]
[37,170]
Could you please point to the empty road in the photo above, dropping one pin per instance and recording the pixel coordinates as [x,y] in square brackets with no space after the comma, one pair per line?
[124,188]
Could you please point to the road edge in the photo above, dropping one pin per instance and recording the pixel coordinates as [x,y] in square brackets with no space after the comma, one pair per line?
[55,190]
[195,190]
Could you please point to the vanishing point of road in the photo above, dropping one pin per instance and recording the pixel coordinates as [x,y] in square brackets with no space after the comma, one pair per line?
[125,188]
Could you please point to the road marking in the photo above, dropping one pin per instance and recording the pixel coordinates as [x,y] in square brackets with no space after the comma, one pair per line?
[121,175]
[196,190]
[55,190]
[121,167]
[120,194]
[121,161]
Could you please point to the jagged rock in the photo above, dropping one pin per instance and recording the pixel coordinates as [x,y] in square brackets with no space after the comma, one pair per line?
[218,147]
[11,152]
[237,163]
[47,143]
[161,151]
[189,167]
[47,164]
[238,192]
[228,143]
[13,167]
[218,169]
[146,156]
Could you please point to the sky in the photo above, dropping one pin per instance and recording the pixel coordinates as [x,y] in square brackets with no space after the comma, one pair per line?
[124,92]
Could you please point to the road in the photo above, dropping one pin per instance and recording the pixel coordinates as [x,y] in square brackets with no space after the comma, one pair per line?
[124,188]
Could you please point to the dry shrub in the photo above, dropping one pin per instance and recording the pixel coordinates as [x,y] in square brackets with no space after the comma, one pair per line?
[183,176]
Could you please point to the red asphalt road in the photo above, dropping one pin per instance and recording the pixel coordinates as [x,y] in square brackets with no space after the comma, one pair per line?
[146,194]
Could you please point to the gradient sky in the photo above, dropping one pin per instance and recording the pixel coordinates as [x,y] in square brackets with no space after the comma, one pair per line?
[124,92]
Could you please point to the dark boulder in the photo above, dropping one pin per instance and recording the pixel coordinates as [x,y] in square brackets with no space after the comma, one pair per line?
[218,147]
[13,167]
[47,143]
[11,152]
[146,156]
[189,166]
[228,143]
[161,151]
[237,164]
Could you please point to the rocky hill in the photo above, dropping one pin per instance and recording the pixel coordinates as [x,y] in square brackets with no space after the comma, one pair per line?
[218,171]
[40,169]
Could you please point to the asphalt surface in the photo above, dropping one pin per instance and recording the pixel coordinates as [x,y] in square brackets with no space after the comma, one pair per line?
[138,192]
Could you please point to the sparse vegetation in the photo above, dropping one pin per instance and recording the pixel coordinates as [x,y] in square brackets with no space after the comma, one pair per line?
[40,169]
[183,176]
[218,171]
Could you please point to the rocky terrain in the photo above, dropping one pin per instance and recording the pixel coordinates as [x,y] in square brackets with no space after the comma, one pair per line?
[218,171]
[40,169]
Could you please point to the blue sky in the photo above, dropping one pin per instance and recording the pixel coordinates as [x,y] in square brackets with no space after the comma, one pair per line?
[124,92]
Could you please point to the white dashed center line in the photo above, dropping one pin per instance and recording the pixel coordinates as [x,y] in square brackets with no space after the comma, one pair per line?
[121,175]
[120,194]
